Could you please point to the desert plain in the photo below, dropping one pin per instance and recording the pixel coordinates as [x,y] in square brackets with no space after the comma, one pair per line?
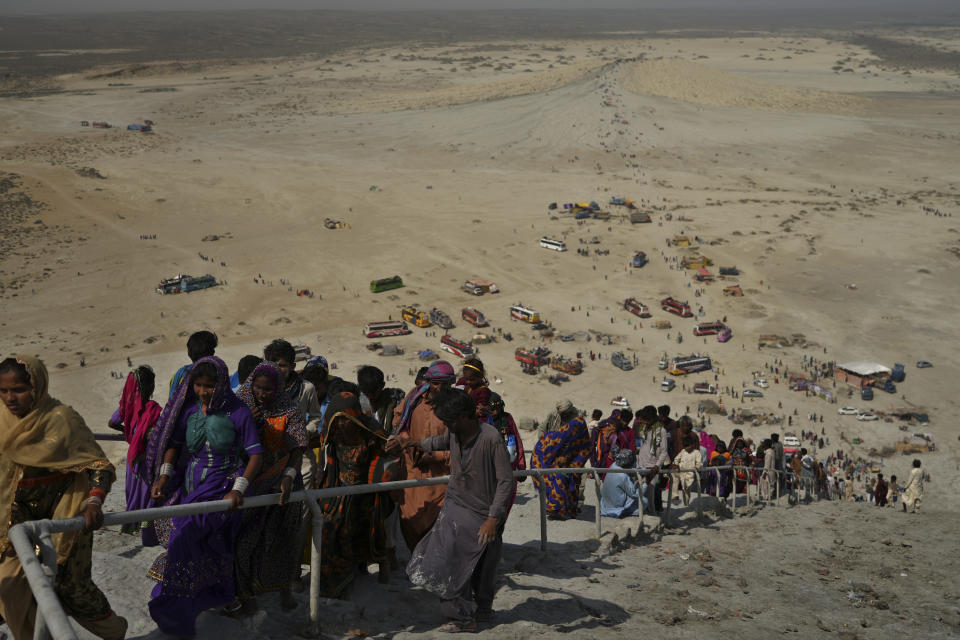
[820,160]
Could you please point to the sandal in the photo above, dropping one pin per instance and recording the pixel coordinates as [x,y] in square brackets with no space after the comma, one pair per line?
[459,627]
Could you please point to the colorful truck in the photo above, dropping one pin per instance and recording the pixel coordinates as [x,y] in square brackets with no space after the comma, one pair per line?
[533,357]
[567,365]
[440,319]
[639,259]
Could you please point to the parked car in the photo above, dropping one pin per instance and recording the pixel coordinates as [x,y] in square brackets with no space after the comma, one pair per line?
[848,411]
[760,382]
[866,393]
[668,384]
[866,417]
[752,393]
[620,401]
[568,338]
[621,361]
[923,364]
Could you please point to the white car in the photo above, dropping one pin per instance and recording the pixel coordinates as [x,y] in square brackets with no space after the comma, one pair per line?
[848,411]
[760,382]
[866,417]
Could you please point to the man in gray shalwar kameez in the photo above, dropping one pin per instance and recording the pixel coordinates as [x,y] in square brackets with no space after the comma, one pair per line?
[458,558]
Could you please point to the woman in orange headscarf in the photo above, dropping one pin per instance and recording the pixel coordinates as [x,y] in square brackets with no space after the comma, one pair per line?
[50,467]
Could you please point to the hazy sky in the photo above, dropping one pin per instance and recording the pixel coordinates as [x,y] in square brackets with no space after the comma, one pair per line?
[78,6]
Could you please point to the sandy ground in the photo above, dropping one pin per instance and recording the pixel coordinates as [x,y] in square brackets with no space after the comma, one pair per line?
[443,161]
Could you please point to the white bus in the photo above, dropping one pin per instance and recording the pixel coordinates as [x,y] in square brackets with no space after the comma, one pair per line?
[556,245]
[525,314]
[690,364]
[386,329]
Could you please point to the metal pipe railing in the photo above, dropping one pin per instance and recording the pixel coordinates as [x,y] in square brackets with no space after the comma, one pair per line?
[26,537]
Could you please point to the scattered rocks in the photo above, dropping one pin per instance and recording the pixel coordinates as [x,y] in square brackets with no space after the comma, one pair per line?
[90,172]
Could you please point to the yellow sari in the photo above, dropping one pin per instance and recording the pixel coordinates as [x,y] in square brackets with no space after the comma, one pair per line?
[52,436]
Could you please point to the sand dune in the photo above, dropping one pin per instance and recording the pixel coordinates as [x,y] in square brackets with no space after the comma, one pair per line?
[699,84]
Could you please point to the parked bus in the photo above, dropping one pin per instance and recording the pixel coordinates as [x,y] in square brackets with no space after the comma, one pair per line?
[556,245]
[186,283]
[385,284]
[473,316]
[690,364]
[708,328]
[681,309]
[417,317]
[386,329]
[458,348]
[636,307]
[523,313]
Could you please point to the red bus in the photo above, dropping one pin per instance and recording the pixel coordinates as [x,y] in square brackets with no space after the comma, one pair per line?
[473,316]
[636,307]
[708,328]
[456,347]
[681,309]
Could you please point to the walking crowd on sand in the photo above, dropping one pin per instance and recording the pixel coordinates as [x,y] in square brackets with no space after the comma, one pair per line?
[271,429]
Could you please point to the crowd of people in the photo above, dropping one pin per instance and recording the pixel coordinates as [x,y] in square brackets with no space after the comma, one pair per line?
[272,429]
[268,429]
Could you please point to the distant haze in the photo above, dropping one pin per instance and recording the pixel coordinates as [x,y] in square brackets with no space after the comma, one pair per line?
[912,8]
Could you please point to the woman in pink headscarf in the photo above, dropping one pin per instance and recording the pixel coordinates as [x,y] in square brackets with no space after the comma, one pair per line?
[135,416]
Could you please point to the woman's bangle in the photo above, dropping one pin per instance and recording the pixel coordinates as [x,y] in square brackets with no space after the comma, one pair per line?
[167,469]
[94,500]
[240,485]
[290,472]
[98,493]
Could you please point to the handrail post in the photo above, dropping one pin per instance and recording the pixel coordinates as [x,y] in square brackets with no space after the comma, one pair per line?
[696,476]
[776,477]
[48,556]
[749,474]
[643,494]
[21,537]
[596,487]
[733,489]
[665,518]
[542,491]
[716,489]
[317,519]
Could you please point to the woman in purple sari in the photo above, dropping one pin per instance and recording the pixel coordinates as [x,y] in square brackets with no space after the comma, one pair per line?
[196,454]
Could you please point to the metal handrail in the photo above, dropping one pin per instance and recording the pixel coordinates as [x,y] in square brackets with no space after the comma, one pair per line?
[27,537]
